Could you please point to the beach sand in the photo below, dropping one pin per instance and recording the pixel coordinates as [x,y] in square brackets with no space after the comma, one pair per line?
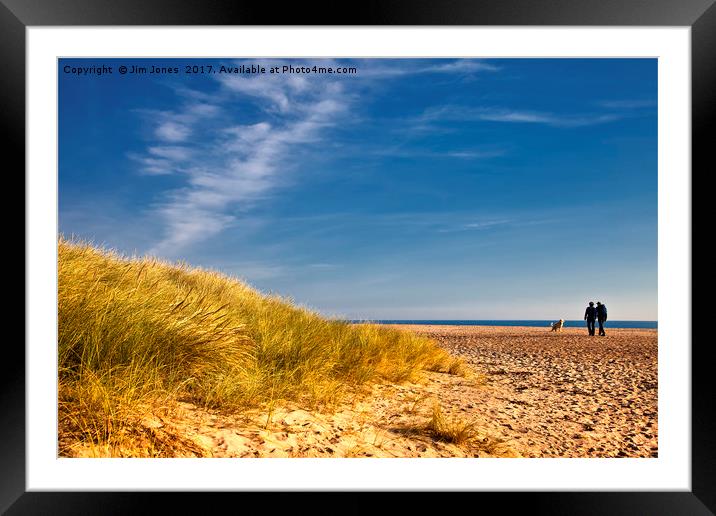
[535,393]
[561,394]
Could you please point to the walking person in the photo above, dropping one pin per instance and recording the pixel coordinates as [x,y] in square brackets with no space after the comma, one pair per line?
[590,315]
[601,317]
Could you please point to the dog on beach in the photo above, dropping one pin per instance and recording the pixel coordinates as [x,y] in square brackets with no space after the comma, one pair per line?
[558,325]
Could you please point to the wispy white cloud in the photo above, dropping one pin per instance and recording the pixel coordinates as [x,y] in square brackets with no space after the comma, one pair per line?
[260,87]
[177,126]
[475,226]
[491,114]
[172,131]
[378,68]
[627,104]
[546,118]
[466,154]
[426,221]
[153,165]
[171,135]
[485,224]
[237,164]
[170,152]
[460,66]
[411,152]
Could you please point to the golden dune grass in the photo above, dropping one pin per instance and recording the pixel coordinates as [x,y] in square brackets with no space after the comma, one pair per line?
[136,334]
[451,430]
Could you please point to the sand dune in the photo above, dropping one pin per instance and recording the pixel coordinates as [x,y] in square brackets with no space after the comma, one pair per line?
[536,394]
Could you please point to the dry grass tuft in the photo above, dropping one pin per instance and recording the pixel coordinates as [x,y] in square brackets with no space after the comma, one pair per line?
[451,430]
[467,435]
[140,332]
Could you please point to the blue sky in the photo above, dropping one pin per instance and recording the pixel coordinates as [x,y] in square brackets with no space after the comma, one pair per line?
[412,189]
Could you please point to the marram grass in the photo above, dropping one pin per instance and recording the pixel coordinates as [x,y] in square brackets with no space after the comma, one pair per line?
[137,334]
[450,430]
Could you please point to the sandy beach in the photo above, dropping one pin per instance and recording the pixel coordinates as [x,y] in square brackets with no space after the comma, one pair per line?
[560,394]
[534,393]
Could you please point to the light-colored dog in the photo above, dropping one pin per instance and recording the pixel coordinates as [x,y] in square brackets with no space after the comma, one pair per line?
[558,325]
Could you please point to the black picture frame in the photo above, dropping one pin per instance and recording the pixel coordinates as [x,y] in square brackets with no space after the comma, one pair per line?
[17,15]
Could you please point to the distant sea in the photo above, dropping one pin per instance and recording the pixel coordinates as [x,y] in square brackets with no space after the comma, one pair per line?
[534,323]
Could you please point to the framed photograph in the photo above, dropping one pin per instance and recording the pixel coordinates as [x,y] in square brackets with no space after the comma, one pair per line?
[292,252]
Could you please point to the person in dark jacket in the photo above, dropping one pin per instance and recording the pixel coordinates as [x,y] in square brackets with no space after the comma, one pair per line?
[590,315]
[601,317]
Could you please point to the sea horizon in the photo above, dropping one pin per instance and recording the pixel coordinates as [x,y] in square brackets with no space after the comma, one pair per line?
[510,322]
